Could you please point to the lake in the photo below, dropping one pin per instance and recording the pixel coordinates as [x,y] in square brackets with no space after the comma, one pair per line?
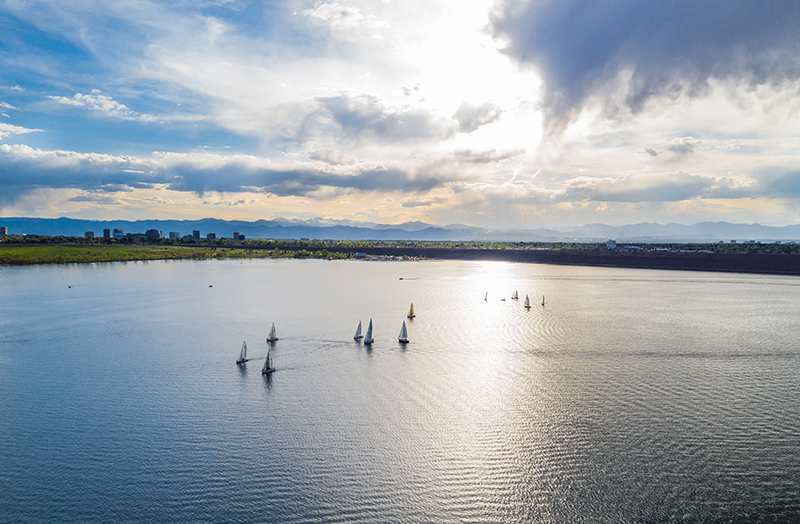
[630,396]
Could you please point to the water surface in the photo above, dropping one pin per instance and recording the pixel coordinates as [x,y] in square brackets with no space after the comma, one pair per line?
[631,396]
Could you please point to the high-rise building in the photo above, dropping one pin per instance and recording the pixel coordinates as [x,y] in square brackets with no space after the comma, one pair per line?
[118,233]
[196,234]
[3,231]
[152,234]
[174,234]
[211,236]
[88,234]
[106,233]
[238,236]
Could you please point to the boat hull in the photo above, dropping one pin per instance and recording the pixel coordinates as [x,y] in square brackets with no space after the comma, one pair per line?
[403,340]
[267,371]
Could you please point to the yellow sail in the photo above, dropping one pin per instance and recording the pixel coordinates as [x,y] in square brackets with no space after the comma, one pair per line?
[411,311]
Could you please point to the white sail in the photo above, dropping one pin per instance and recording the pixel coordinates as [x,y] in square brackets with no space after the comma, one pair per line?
[527,302]
[411,311]
[243,354]
[272,337]
[403,336]
[486,297]
[358,336]
[542,300]
[268,363]
[369,339]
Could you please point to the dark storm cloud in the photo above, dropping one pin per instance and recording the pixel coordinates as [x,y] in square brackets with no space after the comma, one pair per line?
[364,119]
[582,47]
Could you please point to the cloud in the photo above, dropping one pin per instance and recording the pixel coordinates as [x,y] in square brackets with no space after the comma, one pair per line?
[683,146]
[341,17]
[102,103]
[471,117]
[364,119]
[7,130]
[486,156]
[656,187]
[25,168]
[627,53]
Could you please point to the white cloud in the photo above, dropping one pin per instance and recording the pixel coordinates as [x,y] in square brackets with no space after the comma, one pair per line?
[342,17]
[8,130]
[96,101]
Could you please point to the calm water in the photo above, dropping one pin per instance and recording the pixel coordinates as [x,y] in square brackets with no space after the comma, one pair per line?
[632,396]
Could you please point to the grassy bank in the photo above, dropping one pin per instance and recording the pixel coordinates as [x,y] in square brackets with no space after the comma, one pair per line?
[27,254]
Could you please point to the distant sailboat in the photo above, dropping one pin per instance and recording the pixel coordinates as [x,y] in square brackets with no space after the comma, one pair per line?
[368,339]
[527,302]
[358,335]
[272,337]
[542,300]
[411,311]
[403,336]
[243,354]
[268,364]
[515,296]
[486,297]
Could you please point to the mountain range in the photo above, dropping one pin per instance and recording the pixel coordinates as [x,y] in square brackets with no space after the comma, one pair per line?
[348,230]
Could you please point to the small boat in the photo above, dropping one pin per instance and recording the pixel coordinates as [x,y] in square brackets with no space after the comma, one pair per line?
[527,302]
[515,296]
[267,364]
[542,300]
[411,311]
[243,354]
[358,335]
[272,337]
[368,339]
[403,336]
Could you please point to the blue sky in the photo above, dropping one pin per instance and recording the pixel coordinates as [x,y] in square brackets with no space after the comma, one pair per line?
[514,114]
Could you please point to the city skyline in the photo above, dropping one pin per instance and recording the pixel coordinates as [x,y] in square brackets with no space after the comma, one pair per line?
[516,115]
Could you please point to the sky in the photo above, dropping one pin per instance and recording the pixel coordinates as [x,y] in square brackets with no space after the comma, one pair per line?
[513,114]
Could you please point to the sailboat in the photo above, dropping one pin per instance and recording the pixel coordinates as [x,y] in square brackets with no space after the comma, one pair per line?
[358,335]
[267,364]
[369,339]
[542,300]
[527,302]
[515,296]
[411,311]
[403,336]
[272,337]
[243,354]
[486,297]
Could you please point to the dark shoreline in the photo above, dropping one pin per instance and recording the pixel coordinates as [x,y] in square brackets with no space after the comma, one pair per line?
[725,262]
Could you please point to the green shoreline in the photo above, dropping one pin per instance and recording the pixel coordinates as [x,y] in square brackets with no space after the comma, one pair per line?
[33,254]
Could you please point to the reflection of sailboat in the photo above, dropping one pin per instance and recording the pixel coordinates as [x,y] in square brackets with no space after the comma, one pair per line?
[369,339]
[268,364]
[411,311]
[243,354]
[403,336]
[358,335]
[527,302]
[272,337]
[542,300]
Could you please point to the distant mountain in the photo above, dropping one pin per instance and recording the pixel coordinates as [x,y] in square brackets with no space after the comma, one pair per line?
[348,230]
